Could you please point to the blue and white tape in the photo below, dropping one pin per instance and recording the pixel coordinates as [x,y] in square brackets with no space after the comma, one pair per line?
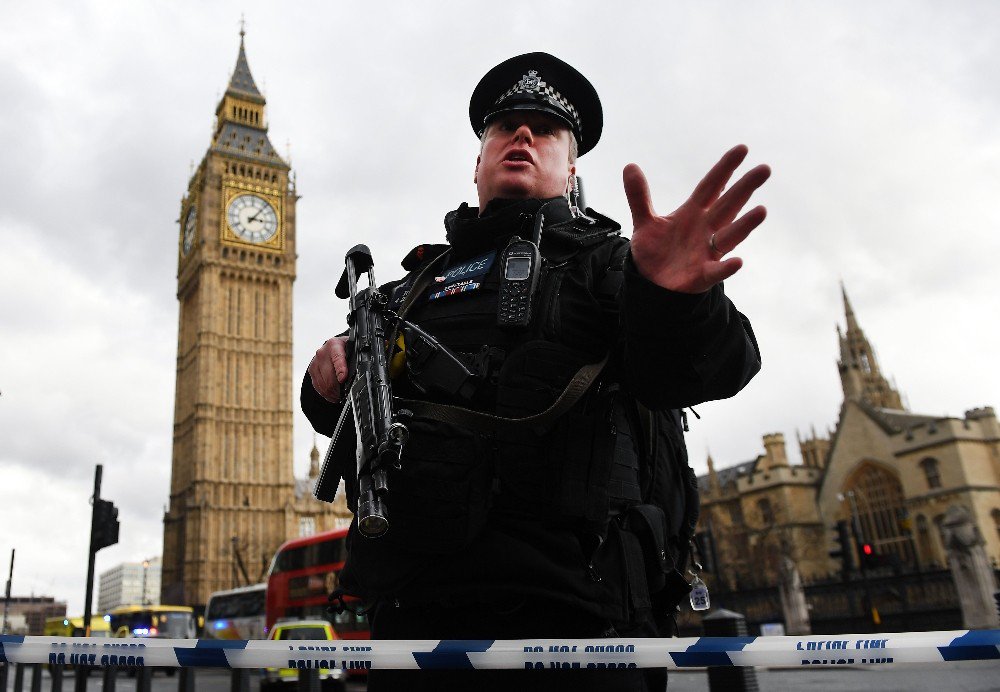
[832,650]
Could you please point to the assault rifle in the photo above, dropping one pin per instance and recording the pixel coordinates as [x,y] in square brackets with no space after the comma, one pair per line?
[381,431]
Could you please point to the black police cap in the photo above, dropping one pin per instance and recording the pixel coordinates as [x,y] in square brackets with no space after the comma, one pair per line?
[539,82]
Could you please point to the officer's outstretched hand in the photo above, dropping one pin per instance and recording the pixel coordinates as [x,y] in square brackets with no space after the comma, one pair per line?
[328,368]
[684,251]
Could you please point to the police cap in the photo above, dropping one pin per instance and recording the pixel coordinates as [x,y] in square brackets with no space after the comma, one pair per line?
[539,82]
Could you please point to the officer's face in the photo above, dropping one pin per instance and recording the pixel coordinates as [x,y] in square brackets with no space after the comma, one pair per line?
[525,154]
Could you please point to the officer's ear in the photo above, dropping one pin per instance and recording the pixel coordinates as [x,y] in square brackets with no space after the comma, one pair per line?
[475,175]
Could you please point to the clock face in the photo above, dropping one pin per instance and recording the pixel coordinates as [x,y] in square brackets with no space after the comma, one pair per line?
[189,231]
[252,218]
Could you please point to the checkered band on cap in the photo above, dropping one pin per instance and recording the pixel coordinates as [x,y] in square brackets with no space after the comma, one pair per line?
[531,83]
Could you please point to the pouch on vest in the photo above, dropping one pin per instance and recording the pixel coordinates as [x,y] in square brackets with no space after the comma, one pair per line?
[668,481]
[649,562]
[438,502]
[440,495]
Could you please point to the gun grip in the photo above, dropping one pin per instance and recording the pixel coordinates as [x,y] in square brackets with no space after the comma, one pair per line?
[342,291]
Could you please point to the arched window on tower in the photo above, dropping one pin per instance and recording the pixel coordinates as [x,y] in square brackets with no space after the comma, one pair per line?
[931,472]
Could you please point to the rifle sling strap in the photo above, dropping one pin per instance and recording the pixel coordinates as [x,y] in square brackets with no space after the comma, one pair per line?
[420,283]
[485,422]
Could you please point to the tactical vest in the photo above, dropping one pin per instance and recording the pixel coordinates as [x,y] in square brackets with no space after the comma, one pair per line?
[606,468]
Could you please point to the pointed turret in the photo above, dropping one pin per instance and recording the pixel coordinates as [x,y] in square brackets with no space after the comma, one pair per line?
[860,376]
[713,476]
[814,449]
[240,127]
[314,460]
[852,322]
[774,452]
[242,81]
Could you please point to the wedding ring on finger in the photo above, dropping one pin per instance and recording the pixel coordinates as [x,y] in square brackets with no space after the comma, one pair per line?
[715,248]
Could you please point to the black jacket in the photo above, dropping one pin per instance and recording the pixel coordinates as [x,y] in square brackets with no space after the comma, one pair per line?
[488,517]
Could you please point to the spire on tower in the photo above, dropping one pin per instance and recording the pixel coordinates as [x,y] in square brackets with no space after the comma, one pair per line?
[240,124]
[713,476]
[852,322]
[242,81]
[860,375]
[314,460]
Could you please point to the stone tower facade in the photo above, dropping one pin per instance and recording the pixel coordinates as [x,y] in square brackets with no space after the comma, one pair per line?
[233,496]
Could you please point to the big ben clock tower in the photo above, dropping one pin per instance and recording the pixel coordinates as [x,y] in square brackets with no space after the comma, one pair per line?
[232,490]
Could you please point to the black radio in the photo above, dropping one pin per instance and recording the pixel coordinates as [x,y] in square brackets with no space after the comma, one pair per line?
[520,265]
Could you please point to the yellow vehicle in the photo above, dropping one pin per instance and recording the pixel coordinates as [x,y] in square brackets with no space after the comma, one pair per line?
[331,679]
[157,621]
[73,627]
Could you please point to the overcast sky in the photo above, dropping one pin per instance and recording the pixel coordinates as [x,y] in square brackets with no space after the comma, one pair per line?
[881,121]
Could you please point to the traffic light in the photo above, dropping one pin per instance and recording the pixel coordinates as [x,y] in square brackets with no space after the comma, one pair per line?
[871,557]
[105,530]
[842,549]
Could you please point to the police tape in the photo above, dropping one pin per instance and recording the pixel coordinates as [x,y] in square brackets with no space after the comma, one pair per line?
[674,653]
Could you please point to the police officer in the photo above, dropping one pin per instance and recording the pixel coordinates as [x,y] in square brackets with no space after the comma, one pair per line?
[546,512]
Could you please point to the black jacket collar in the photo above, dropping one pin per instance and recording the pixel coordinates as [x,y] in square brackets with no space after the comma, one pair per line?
[470,234]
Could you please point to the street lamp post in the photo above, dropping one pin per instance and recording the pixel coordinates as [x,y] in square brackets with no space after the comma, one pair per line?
[145,569]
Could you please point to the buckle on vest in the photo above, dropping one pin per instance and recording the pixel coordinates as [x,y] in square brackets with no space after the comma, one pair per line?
[487,363]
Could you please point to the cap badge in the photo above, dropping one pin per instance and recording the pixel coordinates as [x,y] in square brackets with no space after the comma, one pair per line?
[529,82]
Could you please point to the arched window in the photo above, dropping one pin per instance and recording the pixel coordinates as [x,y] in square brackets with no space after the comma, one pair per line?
[878,501]
[931,472]
[996,519]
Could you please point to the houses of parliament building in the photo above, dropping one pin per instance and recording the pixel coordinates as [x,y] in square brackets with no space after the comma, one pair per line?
[892,473]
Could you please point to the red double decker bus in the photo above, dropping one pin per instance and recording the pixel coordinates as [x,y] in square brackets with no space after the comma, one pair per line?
[303,573]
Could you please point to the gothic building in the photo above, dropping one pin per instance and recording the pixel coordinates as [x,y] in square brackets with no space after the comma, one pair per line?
[233,497]
[890,471]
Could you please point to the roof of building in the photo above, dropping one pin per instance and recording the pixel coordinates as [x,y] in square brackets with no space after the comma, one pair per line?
[247,142]
[242,81]
[894,420]
[728,476]
[304,487]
